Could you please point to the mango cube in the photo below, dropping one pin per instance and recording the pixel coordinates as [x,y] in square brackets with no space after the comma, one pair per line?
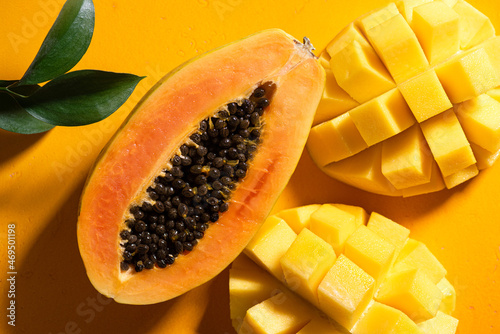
[298,218]
[360,72]
[425,95]
[321,325]
[377,16]
[370,252]
[283,313]
[441,324]
[398,47]
[334,140]
[461,176]
[349,34]
[436,183]
[270,243]
[388,229]
[345,292]
[437,27]
[363,170]
[448,143]
[383,319]
[382,117]
[360,215]
[480,119]
[334,102]
[447,305]
[412,292]
[306,263]
[248,288]
[332,225]
[475,27]
[468,75]
[492,48]
[406,159]
[484,157]
[407,8]
[416,255]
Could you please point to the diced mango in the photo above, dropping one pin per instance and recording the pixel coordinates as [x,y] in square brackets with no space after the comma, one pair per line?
[398,47]
[494,93]
[377,16]
[416,255]
[363,170]
[334,140]
[480,119]
[449,296]
[298,218]
[492,48]
[468,75]
[441,324]
[407,8]
[448,143]
[345,292]
[334,102]
[306,263]
[406,159]
[383,319]
[484,157]
[461,176]
[475,27]
[360,72]
[248,287]
[436,183]
[321,325]
[283,313]
[370,252]
[437,27]
[349,34]
[425,95]
[412,292]
[382,117]
[332,225]
[270,243]
[388,229]
[361,217]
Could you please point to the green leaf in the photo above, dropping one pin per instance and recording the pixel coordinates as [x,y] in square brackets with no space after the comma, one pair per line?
[81,97]
[65,44]
[15,119]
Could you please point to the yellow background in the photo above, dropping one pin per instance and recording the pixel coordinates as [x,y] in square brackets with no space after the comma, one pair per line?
[41,176]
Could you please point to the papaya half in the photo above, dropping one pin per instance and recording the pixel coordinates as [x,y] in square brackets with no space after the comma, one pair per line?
[190,176]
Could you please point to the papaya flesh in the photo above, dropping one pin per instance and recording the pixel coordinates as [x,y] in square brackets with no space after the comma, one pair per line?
[155,130]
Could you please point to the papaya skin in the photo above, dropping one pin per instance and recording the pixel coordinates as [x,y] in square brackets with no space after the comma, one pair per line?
[161,121]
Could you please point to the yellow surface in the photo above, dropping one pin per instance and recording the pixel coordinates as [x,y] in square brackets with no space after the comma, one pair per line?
[41,176]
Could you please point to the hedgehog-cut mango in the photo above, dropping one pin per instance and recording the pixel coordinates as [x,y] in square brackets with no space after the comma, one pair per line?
[189,177]
[411,104]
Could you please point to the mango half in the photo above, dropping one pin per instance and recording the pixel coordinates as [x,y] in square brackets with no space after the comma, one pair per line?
[334,268]
[411,102]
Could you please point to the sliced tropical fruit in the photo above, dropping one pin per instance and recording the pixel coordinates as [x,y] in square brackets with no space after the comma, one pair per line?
[345,271]
[423,80]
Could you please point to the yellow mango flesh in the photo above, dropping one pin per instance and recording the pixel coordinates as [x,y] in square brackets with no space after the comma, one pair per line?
[270,243]
[345,292]
[437,27]
[412,292]
[441,324]
[306,263]
[378,281]
[443,58]
[332,225]
[283,313]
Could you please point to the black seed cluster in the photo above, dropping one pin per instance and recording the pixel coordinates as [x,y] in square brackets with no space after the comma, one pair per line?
[191,194]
